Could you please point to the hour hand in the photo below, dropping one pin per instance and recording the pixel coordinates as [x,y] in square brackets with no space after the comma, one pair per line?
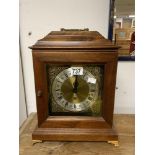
[75,84]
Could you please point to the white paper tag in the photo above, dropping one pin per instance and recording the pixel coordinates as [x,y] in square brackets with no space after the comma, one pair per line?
[76,71]
[91,80]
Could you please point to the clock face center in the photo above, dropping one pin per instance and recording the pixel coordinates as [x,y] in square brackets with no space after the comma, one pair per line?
[73,95]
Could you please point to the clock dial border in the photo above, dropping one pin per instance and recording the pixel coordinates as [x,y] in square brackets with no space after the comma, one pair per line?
[58,81]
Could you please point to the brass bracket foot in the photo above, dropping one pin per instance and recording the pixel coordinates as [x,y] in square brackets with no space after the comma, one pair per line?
[115,143]
[36,141]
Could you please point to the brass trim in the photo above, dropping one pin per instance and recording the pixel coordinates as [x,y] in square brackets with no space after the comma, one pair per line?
[115,143]
[85,29]
[36,141]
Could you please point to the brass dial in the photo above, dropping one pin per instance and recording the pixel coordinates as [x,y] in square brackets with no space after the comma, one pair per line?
[75,92]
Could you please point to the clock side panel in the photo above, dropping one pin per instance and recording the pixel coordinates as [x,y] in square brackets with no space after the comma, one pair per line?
[40,89]
[109,91]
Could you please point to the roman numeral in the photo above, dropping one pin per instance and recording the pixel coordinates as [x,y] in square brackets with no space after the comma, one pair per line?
[59,81]
[90,98]
[66,75]
[92,90]
[66,104]
[85,74]
[74,106]
[59,97]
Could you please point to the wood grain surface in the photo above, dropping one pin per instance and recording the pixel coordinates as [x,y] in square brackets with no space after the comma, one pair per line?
[124,125]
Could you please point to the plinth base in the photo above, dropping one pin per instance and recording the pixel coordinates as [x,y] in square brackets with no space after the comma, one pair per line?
[75,134]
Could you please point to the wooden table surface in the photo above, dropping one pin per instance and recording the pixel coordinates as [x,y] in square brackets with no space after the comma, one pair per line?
[124,124]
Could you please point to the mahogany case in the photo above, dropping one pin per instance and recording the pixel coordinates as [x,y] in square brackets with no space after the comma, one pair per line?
[74,47]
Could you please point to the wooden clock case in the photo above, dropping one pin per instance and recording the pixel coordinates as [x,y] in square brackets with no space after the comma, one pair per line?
[75,47]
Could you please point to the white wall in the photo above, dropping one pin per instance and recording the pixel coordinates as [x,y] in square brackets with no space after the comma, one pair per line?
[125,94]
[42,16]
[22,104]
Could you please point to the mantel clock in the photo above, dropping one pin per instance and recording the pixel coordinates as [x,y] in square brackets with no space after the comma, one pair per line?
[75,75]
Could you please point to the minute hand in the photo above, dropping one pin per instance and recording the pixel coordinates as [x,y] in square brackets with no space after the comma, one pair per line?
[75,84]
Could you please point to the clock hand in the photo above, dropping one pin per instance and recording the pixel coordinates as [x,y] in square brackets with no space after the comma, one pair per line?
[75,84]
